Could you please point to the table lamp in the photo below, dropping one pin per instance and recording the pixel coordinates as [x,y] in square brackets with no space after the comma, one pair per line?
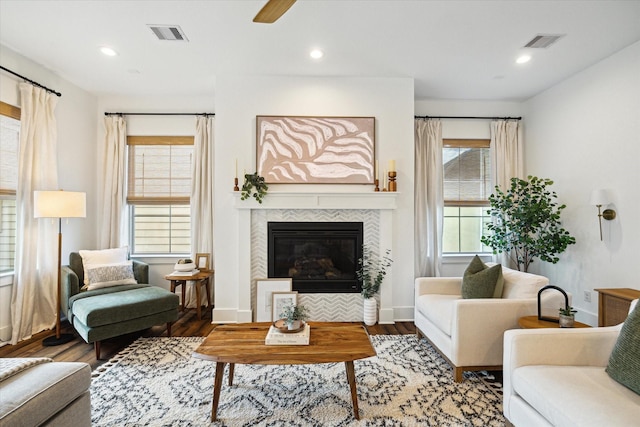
[59,204]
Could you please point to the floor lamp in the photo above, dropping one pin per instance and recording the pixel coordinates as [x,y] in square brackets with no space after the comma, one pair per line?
[59,204]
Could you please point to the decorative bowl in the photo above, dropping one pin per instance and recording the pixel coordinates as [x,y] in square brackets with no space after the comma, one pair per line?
[281,325]
[184,267]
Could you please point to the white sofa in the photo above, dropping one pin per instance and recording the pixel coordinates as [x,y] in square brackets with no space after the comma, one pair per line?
[469,332]
[41,392]
[556,377]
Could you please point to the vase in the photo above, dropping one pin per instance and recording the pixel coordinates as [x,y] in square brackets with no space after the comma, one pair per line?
[566,321]
[370,311]
[293,324]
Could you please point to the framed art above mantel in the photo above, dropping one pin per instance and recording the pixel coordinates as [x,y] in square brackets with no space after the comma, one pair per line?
[315,150]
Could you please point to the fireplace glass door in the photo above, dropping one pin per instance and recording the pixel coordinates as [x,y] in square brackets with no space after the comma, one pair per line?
[320,257]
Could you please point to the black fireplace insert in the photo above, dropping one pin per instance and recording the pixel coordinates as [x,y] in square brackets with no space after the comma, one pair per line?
[320,257]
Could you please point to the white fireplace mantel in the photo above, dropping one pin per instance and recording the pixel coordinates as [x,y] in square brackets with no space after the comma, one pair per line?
[335,200]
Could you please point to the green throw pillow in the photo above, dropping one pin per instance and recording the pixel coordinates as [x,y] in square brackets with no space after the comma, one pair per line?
[624,362]
[479,281]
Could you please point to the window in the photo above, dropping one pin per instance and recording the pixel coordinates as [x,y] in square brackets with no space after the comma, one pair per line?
[467,185]
[9,143]
[159,187]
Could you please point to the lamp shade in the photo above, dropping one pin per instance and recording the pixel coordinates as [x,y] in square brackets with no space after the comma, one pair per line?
[600,197]
[59,204]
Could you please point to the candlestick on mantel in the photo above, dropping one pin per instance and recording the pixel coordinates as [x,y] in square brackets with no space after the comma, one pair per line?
[392,181]
[235,179]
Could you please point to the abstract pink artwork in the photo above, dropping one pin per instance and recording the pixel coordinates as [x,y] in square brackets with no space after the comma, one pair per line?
[315,150]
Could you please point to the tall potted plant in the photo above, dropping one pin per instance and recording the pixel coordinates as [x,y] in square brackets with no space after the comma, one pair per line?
[371,272]
[526,222]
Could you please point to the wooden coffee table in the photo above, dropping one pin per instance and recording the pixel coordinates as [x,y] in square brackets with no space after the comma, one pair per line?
[244,343]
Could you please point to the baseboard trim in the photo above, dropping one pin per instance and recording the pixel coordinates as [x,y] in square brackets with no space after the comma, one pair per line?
[5,333]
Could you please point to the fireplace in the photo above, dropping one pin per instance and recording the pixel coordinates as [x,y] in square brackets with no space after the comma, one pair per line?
[320,257]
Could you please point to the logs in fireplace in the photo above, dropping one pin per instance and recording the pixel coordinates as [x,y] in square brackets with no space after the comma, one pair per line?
[320,257]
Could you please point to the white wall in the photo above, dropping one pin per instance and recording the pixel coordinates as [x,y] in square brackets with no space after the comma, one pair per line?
[76,154]
[585,134]
[240,98]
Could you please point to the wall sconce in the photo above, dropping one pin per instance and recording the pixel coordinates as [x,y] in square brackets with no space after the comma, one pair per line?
[600,198]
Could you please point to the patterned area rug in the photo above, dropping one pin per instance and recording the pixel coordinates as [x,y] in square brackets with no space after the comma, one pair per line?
[156,382]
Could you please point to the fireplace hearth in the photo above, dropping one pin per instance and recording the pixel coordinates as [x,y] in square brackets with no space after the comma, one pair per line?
[320,257]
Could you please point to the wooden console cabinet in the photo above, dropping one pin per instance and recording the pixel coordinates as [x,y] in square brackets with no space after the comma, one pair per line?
[613,305]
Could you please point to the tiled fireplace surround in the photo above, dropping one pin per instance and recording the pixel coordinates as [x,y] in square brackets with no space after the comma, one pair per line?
[373,209]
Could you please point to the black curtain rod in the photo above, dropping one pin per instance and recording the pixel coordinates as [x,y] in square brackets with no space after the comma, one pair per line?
[160,114]
[30,81]
[463,117]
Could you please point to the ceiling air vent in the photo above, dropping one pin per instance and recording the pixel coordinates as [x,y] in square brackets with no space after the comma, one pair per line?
[168,32]
[543,41]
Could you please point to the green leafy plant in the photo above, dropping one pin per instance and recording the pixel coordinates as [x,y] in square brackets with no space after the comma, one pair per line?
[527,222]
[371,271]
[254,186]
[294,312]
[567,311]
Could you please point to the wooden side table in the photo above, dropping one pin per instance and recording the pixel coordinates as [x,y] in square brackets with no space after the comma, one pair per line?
[532,322]
[613,305]
[200,279]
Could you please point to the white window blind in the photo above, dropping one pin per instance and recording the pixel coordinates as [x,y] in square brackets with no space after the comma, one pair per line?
[467,186]
[467,172]
[159,169]
[159,188]
[9,147]
[9,142]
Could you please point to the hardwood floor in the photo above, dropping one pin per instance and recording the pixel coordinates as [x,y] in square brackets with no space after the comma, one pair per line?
[187,325]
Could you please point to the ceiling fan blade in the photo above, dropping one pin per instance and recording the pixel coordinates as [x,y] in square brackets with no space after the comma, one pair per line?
[273,10]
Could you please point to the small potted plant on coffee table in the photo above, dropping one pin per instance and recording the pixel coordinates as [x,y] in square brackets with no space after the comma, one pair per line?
[294,316]
[567,317]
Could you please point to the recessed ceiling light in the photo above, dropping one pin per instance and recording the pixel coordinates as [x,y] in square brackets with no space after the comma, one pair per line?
[316,54]
[108,51]
[522,59]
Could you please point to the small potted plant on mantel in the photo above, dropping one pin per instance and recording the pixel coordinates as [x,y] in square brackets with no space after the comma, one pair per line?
[371,273]
[294,316]
[567,317]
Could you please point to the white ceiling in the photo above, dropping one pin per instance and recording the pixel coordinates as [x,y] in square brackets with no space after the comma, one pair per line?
[452,49]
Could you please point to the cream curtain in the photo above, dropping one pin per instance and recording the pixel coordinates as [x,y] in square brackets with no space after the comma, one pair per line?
[507,158]
[429,198]
[507,152]
[33,297]
[202,196]
[113,203]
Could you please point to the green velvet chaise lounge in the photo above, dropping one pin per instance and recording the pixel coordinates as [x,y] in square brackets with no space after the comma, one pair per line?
[108,312]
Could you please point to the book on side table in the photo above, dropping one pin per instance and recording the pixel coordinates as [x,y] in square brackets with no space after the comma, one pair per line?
[275,337]
[187,273]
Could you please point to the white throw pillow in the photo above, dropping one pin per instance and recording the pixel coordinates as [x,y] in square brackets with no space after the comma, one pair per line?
[521,285]
[103,276]
[103,257]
